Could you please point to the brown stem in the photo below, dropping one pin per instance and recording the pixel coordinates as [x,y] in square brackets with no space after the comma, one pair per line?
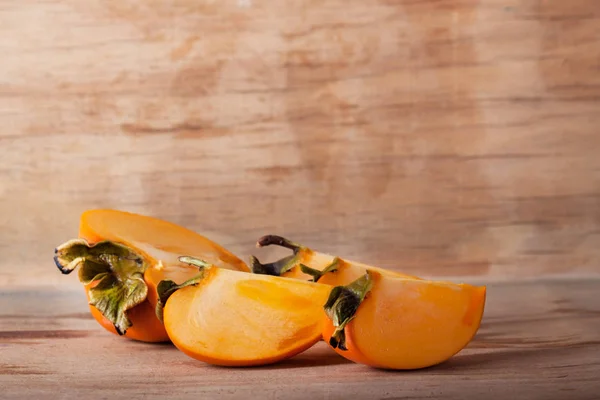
[167,287]
[276,240]
[279,267]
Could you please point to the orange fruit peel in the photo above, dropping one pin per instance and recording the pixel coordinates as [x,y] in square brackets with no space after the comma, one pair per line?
[123,256]
[231,318]
[395,323]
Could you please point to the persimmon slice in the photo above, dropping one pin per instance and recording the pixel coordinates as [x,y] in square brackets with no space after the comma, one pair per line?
[159,239]
[396,323]
[306,263]
[232,318]
[123,256]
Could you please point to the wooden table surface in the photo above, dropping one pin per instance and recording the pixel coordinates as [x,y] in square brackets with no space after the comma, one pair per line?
[539,339]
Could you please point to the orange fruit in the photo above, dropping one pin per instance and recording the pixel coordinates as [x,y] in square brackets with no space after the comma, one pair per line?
[395,323]
[123,256]
[232,318]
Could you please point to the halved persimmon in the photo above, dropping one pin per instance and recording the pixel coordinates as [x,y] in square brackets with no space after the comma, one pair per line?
[123,256]
[232,318]
[396,323]
[306,263]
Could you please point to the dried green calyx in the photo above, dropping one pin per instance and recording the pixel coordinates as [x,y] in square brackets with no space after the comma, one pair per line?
[316,274]
[342,304]
[281,266]
[117,270]
[167,287]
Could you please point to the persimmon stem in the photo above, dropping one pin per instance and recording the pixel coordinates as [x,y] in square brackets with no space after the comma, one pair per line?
[316,274]
[277,240]
[342,305]
[279,267]
[167,287]
[196,262]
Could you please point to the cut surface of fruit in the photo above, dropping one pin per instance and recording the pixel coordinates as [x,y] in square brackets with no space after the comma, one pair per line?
[291,266]
[122,294]
[233,318]
[161,242]
[407,323]
[159,239]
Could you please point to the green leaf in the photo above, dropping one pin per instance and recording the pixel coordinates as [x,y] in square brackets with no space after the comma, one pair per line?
[92,271]
[342,304]
[276,268]
[117,270]
[196,262]
[113,298]
[316,274]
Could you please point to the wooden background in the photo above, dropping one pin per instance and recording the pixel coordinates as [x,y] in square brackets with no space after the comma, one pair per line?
[447,138]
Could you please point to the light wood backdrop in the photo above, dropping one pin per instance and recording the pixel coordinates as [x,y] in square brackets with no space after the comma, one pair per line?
[453,138]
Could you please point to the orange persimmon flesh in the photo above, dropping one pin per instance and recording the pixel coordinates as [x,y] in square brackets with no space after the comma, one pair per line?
[232,318]
[161,242]
[411,324]
[158,239]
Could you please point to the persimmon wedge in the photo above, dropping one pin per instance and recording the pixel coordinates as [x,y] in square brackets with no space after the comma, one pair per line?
[123,256]
[395,323]
[232,318]
[306,263]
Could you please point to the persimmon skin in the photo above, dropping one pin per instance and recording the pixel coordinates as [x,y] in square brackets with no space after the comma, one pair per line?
[372,350]
[352,353]
[145,326]
[222,362]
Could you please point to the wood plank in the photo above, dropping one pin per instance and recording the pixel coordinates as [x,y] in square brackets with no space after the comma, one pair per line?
[538,340]
[435,137]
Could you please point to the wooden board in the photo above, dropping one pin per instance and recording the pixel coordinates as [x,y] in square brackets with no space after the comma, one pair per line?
[538,340]
[452,137]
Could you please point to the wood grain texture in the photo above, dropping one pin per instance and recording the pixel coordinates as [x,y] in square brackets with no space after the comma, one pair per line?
[538,340]
[451,137]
